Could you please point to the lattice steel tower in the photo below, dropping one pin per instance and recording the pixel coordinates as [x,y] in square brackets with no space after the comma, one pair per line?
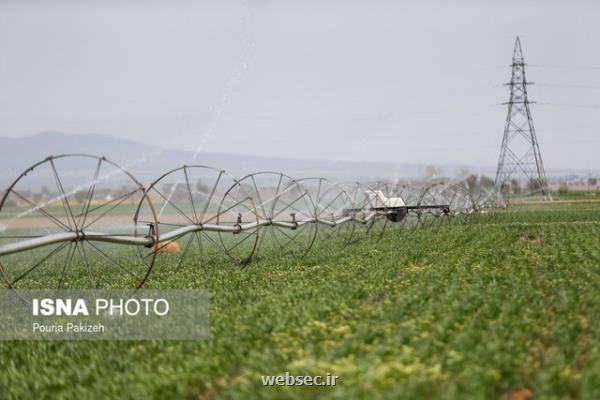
[520,166]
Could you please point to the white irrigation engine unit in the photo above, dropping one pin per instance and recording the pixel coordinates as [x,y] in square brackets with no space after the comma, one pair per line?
[97,204]
[395,209]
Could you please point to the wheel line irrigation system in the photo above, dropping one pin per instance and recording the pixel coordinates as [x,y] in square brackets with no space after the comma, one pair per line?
[96,208]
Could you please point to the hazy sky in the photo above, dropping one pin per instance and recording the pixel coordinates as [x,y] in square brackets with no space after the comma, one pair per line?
[396,81]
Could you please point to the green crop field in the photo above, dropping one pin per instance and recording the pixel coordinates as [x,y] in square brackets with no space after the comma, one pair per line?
[506,302]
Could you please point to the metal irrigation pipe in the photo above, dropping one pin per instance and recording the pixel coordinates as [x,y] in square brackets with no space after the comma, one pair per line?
[149,241]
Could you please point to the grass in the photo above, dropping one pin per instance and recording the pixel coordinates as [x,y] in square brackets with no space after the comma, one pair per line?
[476,310]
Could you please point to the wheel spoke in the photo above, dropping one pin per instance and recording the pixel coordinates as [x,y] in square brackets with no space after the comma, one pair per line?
[83,216]
[46,257]
[63,196]
[184,253]
[83,255]
[68,259]
[109,210]
[187,184]
[40,209]
[109,258]
[169,202]
[210,197]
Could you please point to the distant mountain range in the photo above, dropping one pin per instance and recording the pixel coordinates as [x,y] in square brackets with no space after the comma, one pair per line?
[149,162]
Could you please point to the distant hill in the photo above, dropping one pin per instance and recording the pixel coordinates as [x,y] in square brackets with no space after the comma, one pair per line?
[149,162]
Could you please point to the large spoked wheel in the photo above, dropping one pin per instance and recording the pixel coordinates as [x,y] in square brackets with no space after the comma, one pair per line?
[62,212]
[333,208]
[457,200]
[488,198]
[284,210]
[192,202]
[460,200]
[360,211]
[435,205]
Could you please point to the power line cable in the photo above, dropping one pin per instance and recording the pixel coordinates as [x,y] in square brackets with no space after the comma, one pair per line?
[580,67]
[593,106]
[568,86]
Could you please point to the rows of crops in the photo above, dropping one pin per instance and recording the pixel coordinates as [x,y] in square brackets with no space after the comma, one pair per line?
[502,306]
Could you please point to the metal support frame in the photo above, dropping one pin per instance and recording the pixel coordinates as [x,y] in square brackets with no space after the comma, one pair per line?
[520,159]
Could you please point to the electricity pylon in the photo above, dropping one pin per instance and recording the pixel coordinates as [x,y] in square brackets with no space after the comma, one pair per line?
[520,166]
